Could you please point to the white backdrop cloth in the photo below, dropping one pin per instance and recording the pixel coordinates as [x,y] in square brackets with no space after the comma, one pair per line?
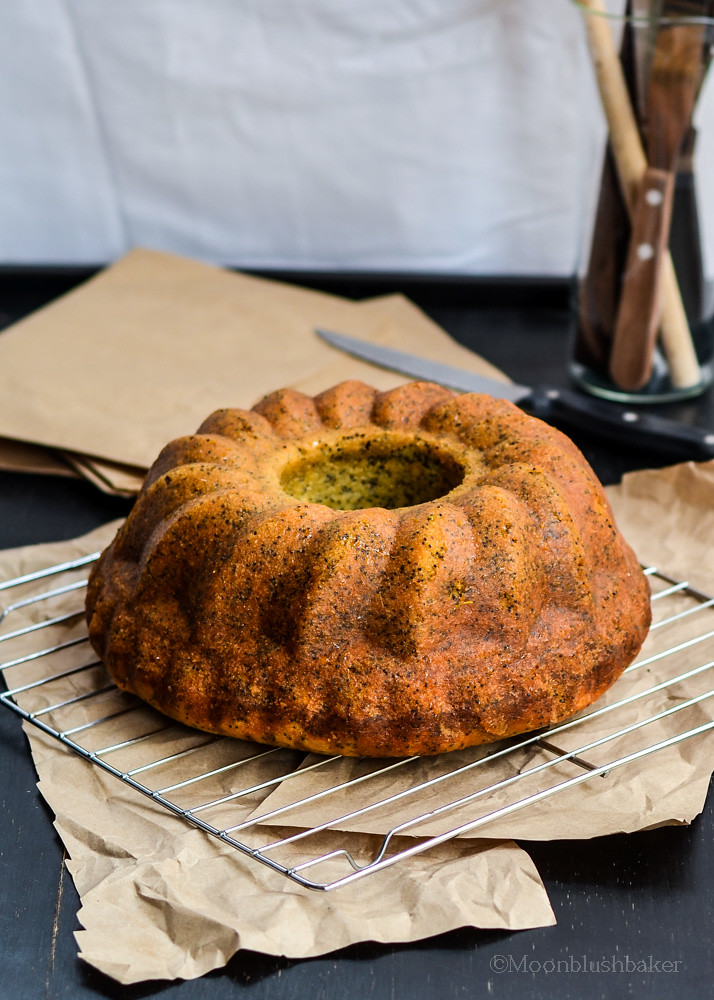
[448,136]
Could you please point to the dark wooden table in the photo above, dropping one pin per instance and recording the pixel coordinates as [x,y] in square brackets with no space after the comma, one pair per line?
[644,900]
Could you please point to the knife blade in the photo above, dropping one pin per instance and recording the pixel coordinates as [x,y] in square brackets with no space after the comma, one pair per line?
[559,406]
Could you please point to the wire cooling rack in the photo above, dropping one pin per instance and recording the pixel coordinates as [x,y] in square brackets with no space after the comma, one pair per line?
[327,821]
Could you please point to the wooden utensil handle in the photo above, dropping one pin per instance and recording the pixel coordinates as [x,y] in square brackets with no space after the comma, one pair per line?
[599,286]
[639,311]
[622,125]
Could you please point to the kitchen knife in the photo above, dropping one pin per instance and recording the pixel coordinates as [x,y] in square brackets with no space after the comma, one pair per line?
[620,425]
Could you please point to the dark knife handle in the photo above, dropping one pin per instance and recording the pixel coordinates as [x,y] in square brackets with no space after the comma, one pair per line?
[619,424]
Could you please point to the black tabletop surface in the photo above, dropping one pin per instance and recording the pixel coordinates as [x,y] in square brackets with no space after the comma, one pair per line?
[634,912]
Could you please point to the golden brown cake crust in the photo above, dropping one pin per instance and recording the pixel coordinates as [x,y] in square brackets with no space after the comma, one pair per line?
[369,573]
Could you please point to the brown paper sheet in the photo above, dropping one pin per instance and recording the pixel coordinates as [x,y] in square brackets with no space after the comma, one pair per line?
[144,351]
[670,518]
[16,456]
[162,900]
[109,477]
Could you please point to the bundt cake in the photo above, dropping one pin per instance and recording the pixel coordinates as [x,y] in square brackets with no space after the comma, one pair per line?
[369,573]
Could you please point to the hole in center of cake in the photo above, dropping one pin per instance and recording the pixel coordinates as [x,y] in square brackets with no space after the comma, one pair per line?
[358,475]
